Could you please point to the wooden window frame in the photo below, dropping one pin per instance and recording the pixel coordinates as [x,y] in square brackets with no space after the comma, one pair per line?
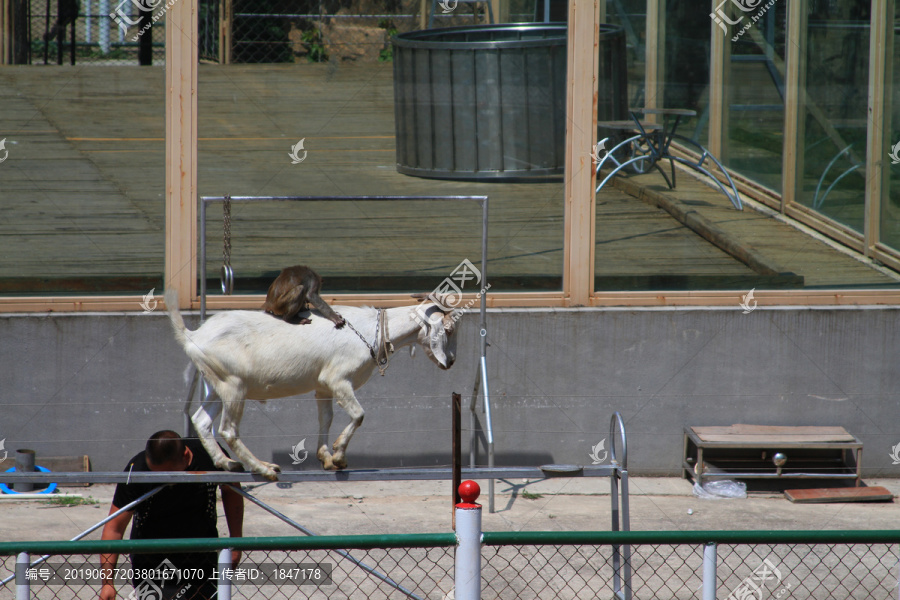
[579,218]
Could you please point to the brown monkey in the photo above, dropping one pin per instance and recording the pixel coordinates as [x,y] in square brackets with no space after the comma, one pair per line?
[293,291]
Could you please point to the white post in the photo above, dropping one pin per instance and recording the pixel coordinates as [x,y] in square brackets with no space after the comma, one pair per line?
[103,25]
[467,576]
[224,582]
[87,22]
[709,571]
[23,589]
[130,15]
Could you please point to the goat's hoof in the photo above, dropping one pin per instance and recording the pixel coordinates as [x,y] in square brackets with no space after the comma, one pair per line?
[232,465]
[271,467]
[339,463]
[269,474]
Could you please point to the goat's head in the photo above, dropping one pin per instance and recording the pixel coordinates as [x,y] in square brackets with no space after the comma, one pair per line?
[436,329]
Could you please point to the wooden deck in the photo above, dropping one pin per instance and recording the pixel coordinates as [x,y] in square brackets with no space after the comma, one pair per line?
[82,191]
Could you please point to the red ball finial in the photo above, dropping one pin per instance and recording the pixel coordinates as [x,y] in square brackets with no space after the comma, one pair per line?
[469,491]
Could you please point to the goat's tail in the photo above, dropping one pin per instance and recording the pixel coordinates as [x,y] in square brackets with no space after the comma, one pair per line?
[209,367]
[175,317]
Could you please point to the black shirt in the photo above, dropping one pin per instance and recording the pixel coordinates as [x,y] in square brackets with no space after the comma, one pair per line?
[182,510]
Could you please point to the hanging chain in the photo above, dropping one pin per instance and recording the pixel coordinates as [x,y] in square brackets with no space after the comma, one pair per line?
[227,275]
[226,231]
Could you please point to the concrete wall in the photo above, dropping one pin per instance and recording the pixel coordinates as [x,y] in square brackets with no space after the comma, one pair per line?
[99,384]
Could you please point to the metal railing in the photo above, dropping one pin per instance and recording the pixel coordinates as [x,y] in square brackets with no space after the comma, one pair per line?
[737,565]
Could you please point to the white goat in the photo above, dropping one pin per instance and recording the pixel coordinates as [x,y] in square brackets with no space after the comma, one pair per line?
[250,354]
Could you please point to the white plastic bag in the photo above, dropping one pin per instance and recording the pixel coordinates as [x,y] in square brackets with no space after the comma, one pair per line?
[721,489]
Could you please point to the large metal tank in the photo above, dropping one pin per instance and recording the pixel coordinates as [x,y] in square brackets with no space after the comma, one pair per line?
[489,101]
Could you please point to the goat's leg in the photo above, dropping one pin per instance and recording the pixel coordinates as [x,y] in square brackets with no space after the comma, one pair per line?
[233,410]
[202,420]
[326,414]
[346,400]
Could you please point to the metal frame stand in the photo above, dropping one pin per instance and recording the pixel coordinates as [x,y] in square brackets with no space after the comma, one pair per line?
[481,377]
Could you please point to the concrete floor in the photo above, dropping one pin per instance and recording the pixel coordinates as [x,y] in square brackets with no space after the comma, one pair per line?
[424,507]
[807,571]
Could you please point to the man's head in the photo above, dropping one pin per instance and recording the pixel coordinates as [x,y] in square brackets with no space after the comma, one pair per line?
[166,451]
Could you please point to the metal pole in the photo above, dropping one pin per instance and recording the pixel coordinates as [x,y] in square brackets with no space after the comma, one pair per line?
[342,553]
[224,584]
[709,571]
[614,526]
[626,548]
[186,417]
[24,464]
[473,422]
[202,260]
[23,588]
[489,430]
[128,506]
[455,453]
[483,334]
[467,573]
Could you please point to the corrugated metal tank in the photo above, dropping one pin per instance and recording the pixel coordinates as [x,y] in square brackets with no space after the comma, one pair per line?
[489,102]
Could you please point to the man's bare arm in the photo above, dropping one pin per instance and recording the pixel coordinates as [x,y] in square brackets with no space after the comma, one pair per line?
[113,530]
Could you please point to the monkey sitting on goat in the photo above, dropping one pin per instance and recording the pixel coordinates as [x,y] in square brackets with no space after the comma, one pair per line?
[293,291]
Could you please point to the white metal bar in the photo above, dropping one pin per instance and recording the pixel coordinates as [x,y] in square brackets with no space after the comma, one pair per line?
[224,584]
[23,589]
[467,573]
[709,572]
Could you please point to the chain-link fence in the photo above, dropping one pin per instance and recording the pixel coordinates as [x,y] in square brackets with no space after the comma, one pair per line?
[532,568]
[744,572]
[131,32]
[334,31]
[110,32]
[376,573]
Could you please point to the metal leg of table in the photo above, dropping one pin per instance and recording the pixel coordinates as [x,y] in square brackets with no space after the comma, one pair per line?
[611,156]
[733,195]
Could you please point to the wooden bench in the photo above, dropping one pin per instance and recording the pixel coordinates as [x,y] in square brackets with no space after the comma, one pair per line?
[770,452]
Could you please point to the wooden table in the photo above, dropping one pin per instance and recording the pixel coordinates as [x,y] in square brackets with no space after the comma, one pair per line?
[771,452]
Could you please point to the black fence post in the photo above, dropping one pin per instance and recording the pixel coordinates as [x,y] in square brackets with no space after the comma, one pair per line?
[145,41]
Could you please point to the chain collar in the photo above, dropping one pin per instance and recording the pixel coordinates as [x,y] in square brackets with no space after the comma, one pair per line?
[380,353]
